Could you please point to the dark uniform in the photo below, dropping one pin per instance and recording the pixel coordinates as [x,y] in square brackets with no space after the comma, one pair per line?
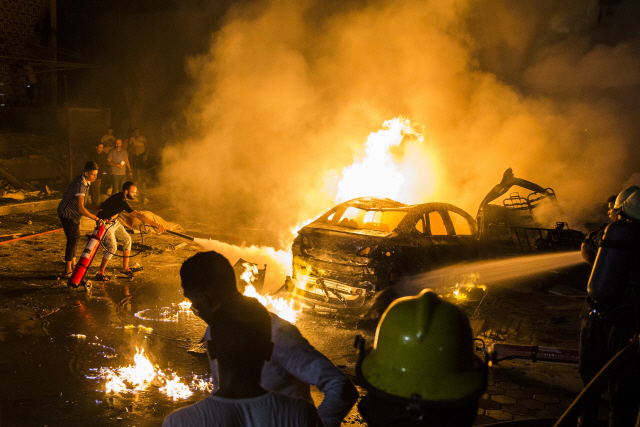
[602,337]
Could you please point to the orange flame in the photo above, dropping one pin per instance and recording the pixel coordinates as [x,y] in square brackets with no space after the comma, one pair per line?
[377,174]
[282,307]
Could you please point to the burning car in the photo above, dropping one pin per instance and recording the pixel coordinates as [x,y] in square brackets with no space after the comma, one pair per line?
[366,245]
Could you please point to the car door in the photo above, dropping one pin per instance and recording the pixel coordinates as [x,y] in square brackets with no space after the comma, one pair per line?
[439,227]
[418,251]
[464,233]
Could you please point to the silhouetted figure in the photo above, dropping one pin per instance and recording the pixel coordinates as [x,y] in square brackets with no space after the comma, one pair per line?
[209,282]
[241,343]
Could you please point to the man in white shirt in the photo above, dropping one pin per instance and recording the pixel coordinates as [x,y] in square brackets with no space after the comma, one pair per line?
[209,282]
[241,343]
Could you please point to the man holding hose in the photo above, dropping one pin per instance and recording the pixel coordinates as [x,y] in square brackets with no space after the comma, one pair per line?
[109,211]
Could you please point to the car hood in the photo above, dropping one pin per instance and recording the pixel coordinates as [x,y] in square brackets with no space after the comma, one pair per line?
[339,246]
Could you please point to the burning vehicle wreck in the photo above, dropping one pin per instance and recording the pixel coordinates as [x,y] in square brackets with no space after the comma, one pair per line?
[366,245]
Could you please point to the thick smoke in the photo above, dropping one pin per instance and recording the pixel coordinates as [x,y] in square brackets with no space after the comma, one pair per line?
[289,91]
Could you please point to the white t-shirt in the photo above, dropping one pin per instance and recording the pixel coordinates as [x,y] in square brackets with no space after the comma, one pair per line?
[271,409]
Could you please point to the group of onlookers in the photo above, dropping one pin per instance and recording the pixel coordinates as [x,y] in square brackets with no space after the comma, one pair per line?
[117,160]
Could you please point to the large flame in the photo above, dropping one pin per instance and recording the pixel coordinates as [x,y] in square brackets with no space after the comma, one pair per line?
[377,174]
[282,307]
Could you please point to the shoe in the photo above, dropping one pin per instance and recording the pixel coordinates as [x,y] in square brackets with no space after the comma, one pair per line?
[128,273]
[136,269]
[102,277]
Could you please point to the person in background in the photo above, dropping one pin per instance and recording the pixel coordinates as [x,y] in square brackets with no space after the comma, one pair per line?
[109,211]
[71,209]
[606,329]
[99,157]
[138,150]
[241,343]
[421,370]
[118,160]
[208,280]
[108,140]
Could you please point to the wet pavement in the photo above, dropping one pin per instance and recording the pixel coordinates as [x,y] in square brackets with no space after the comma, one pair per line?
[54,340]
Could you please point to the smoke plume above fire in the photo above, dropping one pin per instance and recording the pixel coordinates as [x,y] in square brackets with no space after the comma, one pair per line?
[288,93]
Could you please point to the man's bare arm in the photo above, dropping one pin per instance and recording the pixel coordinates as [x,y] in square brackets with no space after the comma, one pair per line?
[146,220]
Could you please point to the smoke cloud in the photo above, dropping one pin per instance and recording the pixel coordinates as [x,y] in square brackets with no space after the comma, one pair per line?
[289,91]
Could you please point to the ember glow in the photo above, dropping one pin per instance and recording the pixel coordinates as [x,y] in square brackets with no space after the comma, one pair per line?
[282,307]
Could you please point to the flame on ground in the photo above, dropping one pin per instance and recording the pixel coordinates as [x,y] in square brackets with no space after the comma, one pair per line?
[466,288]
[142,374]
[175,389]
[282,307]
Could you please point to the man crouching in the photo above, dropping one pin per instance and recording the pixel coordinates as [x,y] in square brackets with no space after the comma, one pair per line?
[109,211]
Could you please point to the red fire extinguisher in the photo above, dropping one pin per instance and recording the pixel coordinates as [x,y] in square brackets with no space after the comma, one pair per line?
[81,268]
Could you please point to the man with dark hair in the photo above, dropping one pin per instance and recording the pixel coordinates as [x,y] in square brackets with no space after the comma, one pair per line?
[99,157]
[241,343]
[109,211]
[209,282]
[108,140]
[71,209]
[138,150]
[118,159]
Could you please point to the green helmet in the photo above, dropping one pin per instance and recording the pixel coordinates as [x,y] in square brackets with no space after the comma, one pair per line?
[424,346]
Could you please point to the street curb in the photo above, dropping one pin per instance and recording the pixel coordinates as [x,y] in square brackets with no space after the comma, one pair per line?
[29,207]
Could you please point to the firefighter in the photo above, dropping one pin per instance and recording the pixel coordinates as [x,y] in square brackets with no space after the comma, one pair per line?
[209,281]
[590,245]
[421,370]
[611,315]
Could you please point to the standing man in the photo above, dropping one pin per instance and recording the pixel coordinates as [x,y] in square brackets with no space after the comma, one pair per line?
[109,211]
[607,327]
[99,157]
[138,152]
[209,282]
[118,159]
[108,140]
[241,343]
[71,209]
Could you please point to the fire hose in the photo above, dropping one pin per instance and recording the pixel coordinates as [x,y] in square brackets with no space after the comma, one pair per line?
[624,356]
[30,236]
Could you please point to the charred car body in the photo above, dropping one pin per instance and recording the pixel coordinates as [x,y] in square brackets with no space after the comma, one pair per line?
[366,245]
